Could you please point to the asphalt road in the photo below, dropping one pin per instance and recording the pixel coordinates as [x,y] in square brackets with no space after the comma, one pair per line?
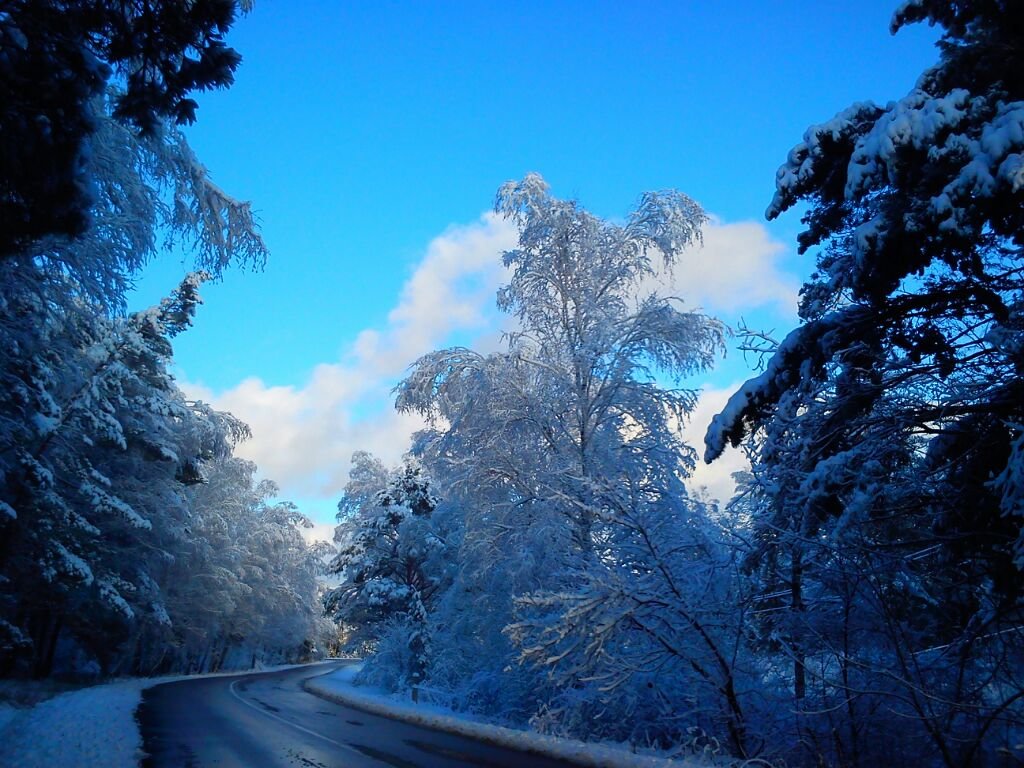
[267,720]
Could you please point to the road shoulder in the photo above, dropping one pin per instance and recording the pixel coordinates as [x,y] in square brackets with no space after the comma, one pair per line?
[336,686]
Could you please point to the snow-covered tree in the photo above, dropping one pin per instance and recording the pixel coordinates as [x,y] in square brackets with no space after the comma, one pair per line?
[84,484]
[887,426]
[152,195]
[386,561]
[580,373]
[648,645]
[96,440]
[106,546]
[562,460]
[241,585]
[130,538]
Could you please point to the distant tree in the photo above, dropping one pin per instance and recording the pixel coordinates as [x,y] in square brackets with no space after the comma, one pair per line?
[888,425]
[242,585]
[386,550]
[58,57]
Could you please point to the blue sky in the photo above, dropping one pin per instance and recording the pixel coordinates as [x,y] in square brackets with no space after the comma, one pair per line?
[371,137]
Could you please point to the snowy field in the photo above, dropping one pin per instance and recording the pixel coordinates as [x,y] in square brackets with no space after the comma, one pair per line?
[339,687]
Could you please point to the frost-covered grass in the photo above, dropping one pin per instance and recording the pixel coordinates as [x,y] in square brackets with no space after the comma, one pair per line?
[85,728]
[339,686]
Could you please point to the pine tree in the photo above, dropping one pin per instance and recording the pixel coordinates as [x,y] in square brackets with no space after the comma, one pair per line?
[386,548]
[888,424]
[58,57]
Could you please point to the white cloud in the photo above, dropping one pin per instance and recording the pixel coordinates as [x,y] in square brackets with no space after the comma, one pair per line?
[716,477]
[448,291]
[319,532]
[304,436]
[736,269]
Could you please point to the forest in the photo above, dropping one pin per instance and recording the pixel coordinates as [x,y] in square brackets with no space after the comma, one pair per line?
[539,558]
[132,540]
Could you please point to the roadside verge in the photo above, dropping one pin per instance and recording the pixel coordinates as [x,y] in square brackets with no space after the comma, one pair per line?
[336,686]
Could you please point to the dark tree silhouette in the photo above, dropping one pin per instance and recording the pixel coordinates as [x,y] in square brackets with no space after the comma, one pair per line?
[57,58]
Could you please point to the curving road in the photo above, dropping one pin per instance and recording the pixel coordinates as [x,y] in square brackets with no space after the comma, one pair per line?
[266,720]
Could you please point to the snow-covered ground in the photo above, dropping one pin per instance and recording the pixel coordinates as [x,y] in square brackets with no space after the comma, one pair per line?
[91,727]
[7,714]
[339,687]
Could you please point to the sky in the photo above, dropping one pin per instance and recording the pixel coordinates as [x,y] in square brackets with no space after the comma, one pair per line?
[372,137]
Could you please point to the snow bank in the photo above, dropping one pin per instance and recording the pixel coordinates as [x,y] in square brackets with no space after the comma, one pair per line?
[337,686]
[91,727]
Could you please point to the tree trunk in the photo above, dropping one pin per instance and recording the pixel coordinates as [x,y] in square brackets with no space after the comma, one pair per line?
[46,631]
[796,591]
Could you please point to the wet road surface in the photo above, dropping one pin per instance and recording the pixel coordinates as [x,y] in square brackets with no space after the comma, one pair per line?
[267,720]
